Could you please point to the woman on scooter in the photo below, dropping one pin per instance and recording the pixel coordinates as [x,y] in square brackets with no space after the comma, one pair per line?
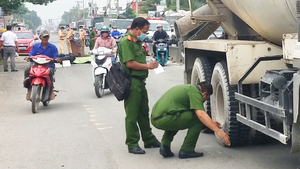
[105,40]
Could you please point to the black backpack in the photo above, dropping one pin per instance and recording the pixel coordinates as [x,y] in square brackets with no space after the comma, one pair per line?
[118,81]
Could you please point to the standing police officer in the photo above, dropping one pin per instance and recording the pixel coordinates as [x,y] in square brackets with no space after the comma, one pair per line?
[181,107]
[136,106]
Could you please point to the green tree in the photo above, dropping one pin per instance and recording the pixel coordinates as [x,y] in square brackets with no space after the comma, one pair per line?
[21,11]
[9,5]
[32,20]
[148,6]
[129,13]
[184,4]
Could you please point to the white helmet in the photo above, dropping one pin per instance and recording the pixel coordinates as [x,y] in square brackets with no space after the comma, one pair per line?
[158,25]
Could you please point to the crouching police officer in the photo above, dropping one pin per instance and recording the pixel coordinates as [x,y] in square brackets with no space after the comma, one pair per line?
[181,107]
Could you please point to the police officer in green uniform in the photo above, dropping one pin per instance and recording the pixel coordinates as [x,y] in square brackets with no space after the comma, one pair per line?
[181,107]
[136,106]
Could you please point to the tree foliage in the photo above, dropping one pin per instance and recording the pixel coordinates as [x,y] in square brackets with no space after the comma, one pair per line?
[129,13]
[32,20]
[184,4]
[9,5]
[74,14]
[148,6]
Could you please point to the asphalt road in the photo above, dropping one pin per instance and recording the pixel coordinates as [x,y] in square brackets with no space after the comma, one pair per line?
[79,131]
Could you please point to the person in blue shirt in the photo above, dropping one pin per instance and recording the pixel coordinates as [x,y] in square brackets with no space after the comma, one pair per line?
[48,49]
[115,32]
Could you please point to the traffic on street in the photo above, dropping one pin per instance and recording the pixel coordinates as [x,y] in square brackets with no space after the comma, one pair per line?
[80,130]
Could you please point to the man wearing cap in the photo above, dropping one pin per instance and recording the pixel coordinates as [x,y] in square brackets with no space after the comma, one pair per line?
[159,34]
[61,37]
[9,43]
[48,49]
[181,107]
[69,36]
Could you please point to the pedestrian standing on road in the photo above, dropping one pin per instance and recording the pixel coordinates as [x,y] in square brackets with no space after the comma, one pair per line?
[82,36]
[180,108]
[92,38]
[9,42]
[136,106]
[61,36]
[69,37]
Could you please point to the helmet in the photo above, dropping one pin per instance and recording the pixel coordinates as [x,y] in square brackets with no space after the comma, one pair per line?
[158,25]
[114,27]
[128,27]
[104,29]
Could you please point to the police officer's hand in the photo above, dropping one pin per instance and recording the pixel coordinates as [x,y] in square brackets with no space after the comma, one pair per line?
[222,135]
[153,65]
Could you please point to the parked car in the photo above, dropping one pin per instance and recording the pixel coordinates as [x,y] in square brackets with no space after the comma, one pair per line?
[26,40]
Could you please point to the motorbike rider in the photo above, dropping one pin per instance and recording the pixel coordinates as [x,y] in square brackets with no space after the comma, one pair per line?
[44,48]
[159,34]
[128,28]
[115,32]
[105,40]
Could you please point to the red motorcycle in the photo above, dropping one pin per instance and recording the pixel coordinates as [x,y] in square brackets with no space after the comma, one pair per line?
[39,81]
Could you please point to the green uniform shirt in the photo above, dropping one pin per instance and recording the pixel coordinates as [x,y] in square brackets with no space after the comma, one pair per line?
[130,49]
[178,99]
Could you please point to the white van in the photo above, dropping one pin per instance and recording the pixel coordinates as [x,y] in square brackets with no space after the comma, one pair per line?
[153,29]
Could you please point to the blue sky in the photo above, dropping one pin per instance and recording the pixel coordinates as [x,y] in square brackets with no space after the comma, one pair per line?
[56,9]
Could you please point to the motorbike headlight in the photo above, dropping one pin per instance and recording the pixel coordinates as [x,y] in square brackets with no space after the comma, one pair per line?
[158,49]
[165,48]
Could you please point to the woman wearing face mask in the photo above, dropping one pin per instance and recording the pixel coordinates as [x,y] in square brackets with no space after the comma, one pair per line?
[105,40]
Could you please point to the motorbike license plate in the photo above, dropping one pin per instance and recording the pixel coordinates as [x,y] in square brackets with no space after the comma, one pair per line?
[22,48]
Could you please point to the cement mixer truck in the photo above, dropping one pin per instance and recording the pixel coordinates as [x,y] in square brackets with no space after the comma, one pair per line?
[253,67]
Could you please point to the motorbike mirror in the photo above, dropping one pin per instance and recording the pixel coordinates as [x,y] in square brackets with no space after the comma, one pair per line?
[172,30]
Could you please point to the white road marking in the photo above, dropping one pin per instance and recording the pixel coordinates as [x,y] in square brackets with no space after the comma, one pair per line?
[97,124]
[104,128]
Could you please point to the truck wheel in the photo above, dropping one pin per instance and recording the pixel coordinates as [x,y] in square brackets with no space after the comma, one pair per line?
[202,71]
[224,107]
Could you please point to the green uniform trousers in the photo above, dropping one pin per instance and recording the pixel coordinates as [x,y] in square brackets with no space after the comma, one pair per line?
[180,121]
[137,112]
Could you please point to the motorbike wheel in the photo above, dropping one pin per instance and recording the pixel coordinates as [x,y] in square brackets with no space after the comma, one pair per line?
[46,103]
[99,90]
[36,91]
[162,59]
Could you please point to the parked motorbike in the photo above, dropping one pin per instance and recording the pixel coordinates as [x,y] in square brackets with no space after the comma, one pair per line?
[161,53]
[39,81]
[101,64]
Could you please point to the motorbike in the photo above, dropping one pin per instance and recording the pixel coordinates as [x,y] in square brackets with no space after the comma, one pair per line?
[145,47]
[161,53]
[118,39]
[39,81]
[101,64]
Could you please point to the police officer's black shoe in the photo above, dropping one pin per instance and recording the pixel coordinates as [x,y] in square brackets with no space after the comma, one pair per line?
[165,151]
[189,154]
[155,144]
[137,150]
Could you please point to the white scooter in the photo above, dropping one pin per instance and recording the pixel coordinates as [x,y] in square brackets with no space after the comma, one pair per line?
[101,64]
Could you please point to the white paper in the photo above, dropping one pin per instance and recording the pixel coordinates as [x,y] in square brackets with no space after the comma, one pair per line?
[66,63]
[159,69]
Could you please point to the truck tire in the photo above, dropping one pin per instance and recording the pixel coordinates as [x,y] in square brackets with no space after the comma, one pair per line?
[202,71]
[224,106]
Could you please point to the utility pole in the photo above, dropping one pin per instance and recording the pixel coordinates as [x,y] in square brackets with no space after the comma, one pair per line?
[136,8]
[177,5]
[77,9]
